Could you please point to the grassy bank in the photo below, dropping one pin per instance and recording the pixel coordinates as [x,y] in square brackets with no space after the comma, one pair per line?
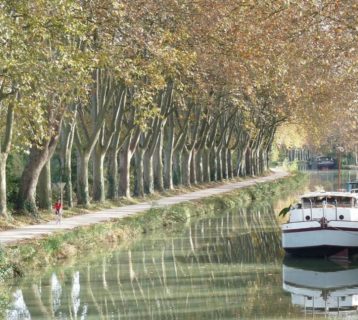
[21,219]
[35,255]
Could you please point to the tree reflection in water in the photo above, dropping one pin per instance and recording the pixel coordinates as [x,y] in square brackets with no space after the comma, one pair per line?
[218,268]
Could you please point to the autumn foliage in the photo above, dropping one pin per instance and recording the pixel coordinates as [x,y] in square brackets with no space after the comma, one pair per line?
[170,92]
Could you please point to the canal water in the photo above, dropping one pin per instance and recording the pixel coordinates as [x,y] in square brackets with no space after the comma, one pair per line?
[230,266]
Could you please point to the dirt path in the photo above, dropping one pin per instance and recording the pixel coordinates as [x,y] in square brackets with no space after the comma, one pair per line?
[33,231]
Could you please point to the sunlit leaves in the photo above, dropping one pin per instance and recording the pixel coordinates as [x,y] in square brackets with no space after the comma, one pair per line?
[274,61]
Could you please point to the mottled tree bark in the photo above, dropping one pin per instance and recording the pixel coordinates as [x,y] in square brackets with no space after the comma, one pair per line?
[248,162]
[152,139]
[242,169]
[199,166]
[141,176]
[39,156]
[262,162]
[177,167]
[103,92]
[4,152]
[206,165]
[158,163]
[148,175]
[98,175]
[193,179]
[125,156]
[241,163]
[168,152]
[113,172]
[44,187]
[230,167]
[3,202]
[213,164]
[66,144]
[139,185]
[110,130]
[224,163]
[186,159]
[82,179]
[219,167]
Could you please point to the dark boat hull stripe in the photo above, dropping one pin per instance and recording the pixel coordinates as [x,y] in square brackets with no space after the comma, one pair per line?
[320,251]
[320,229]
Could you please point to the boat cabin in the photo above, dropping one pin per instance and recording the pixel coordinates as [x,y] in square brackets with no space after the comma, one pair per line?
[329,201]
[328,205]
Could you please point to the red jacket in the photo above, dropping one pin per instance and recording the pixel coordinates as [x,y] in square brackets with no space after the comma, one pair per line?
[57,206]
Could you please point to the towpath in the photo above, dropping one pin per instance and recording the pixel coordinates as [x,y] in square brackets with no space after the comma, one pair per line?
[40,230]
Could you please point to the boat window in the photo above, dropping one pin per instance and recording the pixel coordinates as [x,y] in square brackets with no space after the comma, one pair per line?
[328,202]
[331,201]
[345,201]
[306,202]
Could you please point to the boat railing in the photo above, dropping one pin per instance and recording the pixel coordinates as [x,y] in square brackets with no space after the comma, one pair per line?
[336,210]
[303,210]
[303,218]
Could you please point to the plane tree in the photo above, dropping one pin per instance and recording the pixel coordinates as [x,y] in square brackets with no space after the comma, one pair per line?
[33,67]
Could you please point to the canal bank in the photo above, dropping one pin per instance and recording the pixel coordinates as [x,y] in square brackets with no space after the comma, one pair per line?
[22,256]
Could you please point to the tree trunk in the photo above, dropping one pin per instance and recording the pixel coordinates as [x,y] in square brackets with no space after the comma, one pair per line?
[66,143]
[224,163]
[248,162]
[177,164]
[206,165]
[186,159]
[241,163]
[98,176]
[29,180]
[113,182]
[30,176]
[199,166]
[5,145]
[158,164]
[148,176]
[230,167]
[125,156]
[263,157]
[82,179]
[193,167]
[44,187]
[67,178]
[139,184]
[3,199]
[255,161]
[168,146]
[219,167]
[213,165]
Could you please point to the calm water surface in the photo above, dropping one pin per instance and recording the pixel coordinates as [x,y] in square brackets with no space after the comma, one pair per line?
[228,267]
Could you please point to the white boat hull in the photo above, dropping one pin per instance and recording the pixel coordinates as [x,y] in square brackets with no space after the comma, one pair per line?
[325,290]
[317,239]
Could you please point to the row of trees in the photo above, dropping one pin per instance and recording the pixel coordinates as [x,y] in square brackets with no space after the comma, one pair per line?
[155,93]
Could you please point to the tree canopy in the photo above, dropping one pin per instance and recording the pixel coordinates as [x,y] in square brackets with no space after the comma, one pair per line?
[179,83]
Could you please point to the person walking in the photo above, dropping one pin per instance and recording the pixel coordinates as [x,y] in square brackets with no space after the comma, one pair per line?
[58,211]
